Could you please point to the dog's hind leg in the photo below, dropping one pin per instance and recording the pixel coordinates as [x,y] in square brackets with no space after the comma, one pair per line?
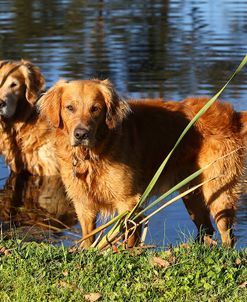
[221,193]
[223,211]
[221,196]
[200,215]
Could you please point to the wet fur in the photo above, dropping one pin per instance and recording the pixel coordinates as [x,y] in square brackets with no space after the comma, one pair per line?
[129,140]
[24,136]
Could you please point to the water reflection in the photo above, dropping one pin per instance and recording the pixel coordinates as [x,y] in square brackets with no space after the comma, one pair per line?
[34,206]
[151,48]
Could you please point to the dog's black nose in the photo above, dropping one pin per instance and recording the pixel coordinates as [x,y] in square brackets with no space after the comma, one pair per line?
[81,134]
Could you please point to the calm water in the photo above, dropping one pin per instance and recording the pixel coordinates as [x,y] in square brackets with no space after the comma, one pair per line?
[168,49]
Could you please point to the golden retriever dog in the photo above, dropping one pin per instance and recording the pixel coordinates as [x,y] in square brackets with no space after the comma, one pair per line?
[109,150]
[24,136]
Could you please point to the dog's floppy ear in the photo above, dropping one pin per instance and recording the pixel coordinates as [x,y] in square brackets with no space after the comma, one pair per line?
[50,104]
[117,108]
[34,81]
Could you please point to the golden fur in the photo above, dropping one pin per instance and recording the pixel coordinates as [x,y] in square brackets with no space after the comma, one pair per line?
[24,136]
[109,150]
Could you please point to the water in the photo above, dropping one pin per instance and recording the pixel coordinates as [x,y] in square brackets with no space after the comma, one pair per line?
[158,48]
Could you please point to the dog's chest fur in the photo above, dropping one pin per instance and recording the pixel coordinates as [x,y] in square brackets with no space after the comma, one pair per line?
[25,150]
[93,181]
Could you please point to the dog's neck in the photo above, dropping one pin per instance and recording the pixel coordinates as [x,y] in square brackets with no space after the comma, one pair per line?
[83,157]
[23,113]
[80,154]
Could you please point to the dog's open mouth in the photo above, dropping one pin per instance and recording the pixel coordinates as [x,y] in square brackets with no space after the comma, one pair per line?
[84,143]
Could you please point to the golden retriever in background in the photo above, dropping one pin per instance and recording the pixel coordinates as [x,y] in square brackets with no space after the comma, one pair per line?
[109,150]
[24,136]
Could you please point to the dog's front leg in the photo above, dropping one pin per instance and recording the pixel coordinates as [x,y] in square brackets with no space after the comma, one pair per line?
[87,219]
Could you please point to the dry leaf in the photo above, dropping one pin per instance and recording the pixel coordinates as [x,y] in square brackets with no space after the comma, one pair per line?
[238,261]
[4,251]
[65,273]
[66,285]
[92,297]
[243,285]
[157,261]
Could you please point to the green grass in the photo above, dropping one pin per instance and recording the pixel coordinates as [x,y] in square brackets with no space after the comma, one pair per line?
[41,272]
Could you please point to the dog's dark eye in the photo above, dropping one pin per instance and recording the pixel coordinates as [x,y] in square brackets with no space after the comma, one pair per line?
[70,108]
[94,109]
[13,84]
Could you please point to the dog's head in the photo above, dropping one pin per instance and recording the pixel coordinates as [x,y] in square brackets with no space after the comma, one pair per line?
[83,109]
[20,81]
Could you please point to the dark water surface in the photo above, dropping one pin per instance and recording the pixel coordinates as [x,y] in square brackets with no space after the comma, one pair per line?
[168,49]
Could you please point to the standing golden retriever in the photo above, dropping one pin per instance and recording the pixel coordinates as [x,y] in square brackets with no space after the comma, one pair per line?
[24,136]
[109,150]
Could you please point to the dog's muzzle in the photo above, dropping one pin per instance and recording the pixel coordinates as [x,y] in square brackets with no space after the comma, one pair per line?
[81,136]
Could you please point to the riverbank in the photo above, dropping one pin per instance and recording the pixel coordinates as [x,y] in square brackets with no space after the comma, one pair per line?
[42,272]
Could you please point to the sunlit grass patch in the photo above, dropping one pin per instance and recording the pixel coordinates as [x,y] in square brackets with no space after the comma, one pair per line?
[190,272]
